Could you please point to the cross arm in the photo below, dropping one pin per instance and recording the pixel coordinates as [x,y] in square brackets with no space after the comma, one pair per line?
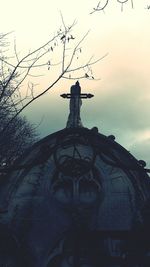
[74,95]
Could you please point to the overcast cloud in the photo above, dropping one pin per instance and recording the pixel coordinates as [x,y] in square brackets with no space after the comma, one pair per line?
[121,105]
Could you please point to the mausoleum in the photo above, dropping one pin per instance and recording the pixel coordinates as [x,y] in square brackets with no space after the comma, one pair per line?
[76,198]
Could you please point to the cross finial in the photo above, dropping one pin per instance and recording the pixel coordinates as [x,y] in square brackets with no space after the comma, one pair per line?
[75,97]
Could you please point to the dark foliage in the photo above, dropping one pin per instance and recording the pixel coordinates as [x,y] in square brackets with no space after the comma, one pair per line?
[16,137]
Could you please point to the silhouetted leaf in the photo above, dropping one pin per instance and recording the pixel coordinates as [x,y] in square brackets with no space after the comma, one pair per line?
[71,37]
[64,36]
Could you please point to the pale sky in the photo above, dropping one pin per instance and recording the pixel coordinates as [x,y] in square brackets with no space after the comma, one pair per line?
[121,105]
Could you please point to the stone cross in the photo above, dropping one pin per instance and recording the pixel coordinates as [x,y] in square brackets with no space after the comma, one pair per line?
[75,97]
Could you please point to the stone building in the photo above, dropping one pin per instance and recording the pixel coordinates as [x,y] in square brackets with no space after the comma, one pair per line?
[75,199]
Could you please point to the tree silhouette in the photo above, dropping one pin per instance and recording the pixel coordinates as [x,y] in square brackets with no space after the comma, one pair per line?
[19,136]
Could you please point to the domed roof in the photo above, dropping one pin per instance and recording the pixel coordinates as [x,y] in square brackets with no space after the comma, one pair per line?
[75,153]
[111,151]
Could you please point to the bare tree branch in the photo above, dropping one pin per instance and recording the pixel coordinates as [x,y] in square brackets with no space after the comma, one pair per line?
[100,7]
[15,77]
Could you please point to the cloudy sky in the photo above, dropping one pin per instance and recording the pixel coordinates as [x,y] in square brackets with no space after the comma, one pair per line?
[121,105]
